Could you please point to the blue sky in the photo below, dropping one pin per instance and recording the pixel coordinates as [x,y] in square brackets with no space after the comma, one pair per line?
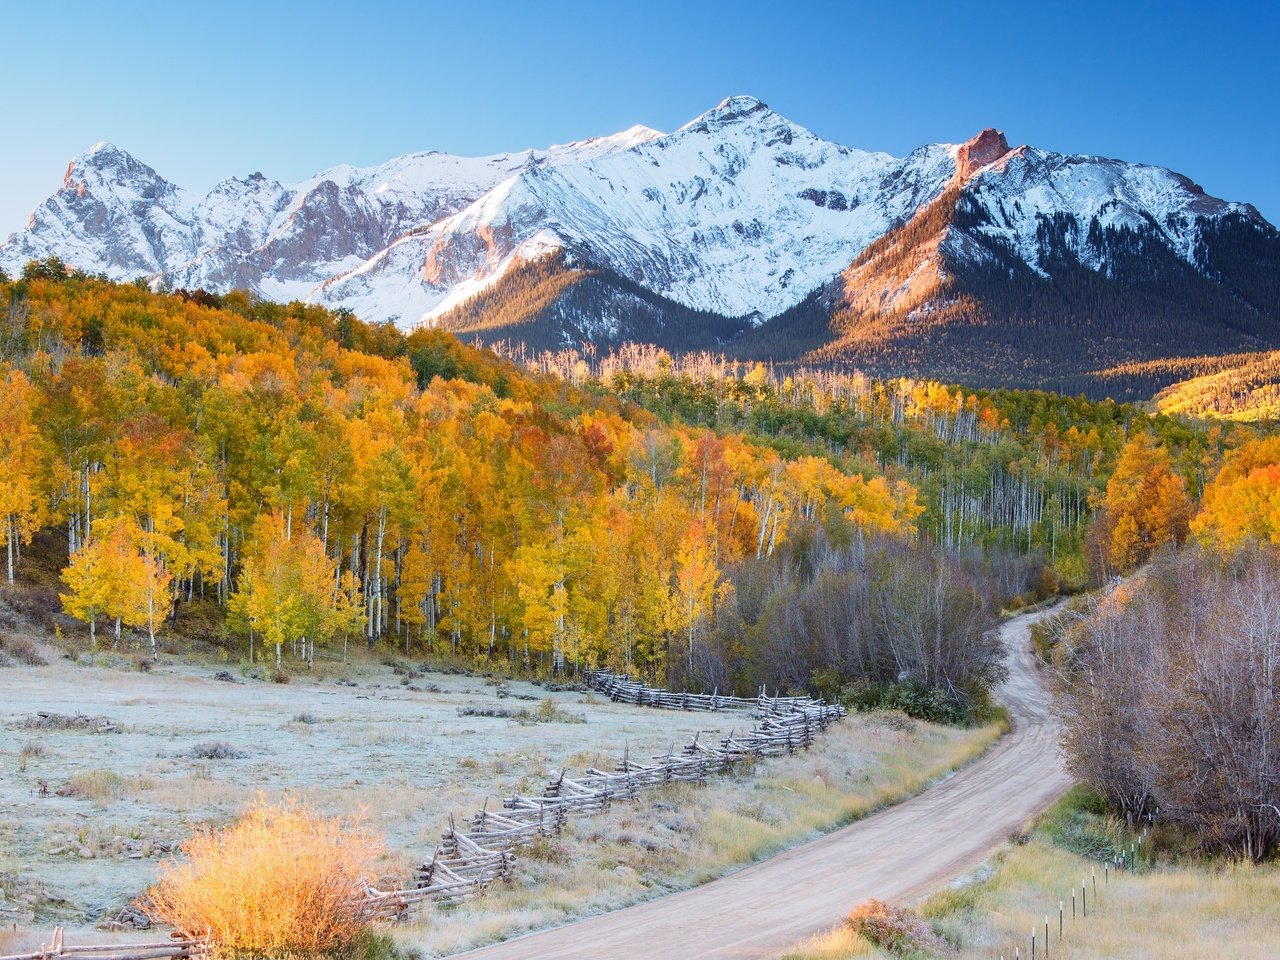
[203,91]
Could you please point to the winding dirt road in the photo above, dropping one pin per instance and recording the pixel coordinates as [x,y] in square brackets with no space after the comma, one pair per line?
[900,853]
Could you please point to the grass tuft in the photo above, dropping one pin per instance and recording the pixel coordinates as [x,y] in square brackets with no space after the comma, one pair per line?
[21,650]
[98,786]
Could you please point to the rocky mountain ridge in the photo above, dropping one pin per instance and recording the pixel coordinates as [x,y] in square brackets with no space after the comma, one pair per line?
[740,232]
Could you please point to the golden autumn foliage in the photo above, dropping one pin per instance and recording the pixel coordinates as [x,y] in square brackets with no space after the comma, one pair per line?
[439,498]
[21,506]
[1242,503]
[111,576]
[288,590]
[281,880]
[1145,507]
[318,477]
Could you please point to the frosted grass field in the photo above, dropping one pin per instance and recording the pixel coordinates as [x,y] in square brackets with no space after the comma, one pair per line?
[396,751]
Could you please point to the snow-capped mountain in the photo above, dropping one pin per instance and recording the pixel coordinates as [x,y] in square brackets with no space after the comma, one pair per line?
[1019,190]
[740,231]
[116,215]
[1033,267]
[739,212]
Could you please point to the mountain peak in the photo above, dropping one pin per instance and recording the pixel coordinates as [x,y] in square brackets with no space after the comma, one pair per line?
[742,102]
[729,110]
[974,154]
[103,153]
[105,156]
[104,168]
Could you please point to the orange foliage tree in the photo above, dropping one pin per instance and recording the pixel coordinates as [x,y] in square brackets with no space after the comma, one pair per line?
[1145,508]
[313,475]
[1242,503]
[20,502]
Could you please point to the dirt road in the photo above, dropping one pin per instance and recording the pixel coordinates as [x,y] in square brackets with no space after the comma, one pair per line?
[900,853]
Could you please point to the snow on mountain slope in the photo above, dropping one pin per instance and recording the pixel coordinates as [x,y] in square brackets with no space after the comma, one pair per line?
[739,212]
[118,216]
[113,214]
[1025,186]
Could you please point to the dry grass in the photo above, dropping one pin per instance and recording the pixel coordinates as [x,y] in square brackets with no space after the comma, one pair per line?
[840,943]
[409,754]
[99,787]
[20,650]
[29,752]
[1187,911]
[281,880]
[1182,909]
[684,835]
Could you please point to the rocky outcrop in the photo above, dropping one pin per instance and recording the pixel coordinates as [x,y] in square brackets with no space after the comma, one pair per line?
[984,149]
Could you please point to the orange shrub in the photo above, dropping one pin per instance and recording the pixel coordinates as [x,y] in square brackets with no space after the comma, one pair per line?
[280,880]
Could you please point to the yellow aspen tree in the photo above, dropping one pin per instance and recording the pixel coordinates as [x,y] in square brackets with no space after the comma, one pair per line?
[289,590]
[699,584]
[109,575]
[89,588]
[20,501]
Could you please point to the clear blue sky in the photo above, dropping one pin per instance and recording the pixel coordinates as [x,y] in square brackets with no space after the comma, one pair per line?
[203,91]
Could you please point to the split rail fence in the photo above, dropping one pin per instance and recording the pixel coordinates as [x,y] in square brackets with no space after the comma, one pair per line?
[470,859]
[178,948]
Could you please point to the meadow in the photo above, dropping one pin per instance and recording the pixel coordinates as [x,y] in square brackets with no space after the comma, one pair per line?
[91,806]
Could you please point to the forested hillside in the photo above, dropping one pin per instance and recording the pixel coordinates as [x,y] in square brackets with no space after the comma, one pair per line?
[945,294]
[1240,387]
[1012,472]
[321,479]
[300,478]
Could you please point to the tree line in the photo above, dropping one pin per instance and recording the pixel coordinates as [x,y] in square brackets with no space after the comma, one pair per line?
[319,480]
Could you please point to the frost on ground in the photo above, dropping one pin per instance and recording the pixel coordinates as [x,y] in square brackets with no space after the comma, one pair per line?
[88,809]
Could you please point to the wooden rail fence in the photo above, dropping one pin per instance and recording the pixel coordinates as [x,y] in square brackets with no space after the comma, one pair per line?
[623,689]
[177,948]
[468,861]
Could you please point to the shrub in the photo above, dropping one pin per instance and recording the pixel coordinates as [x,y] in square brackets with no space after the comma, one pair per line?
[44,720]
[504,713]
[895,929]
[22,650]
[281,880]
[1044,641]
[1169,690]
[547,712]
[28,751]
[217,750]
[914,699]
